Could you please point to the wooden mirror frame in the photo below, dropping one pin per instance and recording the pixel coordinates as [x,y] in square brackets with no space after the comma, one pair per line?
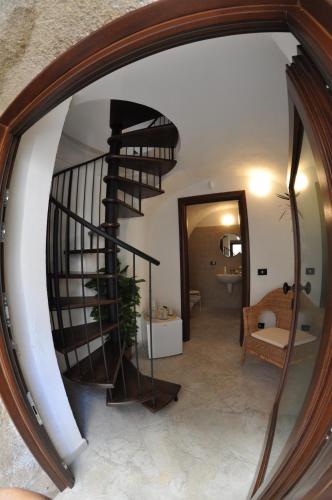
[151,29]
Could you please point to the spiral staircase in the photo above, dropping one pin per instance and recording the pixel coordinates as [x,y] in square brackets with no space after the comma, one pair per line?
[86,203]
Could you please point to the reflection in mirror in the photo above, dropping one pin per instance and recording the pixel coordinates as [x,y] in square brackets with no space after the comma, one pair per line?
[311,301]
[230,245]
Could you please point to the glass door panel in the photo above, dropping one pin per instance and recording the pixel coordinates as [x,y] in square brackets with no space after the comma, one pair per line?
[312,299]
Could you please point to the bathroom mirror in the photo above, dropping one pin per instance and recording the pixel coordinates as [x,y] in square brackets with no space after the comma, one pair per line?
[230,245]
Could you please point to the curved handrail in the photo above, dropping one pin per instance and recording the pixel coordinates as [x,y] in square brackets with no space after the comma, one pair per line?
[80,164]
[104,235]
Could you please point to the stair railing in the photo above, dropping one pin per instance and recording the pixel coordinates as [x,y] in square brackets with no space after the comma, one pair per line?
[81,187]
[93,352]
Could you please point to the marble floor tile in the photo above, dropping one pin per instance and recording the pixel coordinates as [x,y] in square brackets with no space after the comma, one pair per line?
[206,446]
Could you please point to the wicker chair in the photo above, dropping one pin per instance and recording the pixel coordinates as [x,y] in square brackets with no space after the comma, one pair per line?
[270,344]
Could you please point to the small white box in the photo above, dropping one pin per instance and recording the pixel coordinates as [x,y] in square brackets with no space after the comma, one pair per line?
[166,337]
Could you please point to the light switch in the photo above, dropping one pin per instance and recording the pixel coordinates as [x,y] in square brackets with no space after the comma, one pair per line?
[262,272]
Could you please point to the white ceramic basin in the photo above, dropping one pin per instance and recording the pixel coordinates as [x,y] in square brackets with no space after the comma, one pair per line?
[229,280]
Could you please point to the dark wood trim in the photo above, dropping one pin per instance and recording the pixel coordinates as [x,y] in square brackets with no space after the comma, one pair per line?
[12,388]
[322,489]
[183,203]
[317,482]
[316,40]
[320,10]
[312,101]
[151,29]
[295,145]
[159,26]
[25,421]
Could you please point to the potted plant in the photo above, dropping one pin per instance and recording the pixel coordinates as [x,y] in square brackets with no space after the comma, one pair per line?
[130,299]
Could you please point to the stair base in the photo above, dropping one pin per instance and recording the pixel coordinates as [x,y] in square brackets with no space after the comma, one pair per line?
[154,396]
[165,393]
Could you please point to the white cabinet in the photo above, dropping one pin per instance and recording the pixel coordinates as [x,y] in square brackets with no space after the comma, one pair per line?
[166,337]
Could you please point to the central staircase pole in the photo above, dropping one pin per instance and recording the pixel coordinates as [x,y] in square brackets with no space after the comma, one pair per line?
[111,224]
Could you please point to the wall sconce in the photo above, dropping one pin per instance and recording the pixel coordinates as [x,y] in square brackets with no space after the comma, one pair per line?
[228,220]
[260,183]
[301,182]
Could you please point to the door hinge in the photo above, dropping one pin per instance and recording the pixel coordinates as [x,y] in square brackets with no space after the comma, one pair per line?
[33,406]
[3,232]
[6,310]
[6,198]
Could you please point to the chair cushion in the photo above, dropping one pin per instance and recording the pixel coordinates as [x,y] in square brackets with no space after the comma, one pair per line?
[280,337]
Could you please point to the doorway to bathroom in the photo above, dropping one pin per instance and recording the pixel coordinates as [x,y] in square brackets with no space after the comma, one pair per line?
[215,262]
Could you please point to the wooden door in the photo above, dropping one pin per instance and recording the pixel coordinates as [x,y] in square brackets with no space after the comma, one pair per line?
[302,415]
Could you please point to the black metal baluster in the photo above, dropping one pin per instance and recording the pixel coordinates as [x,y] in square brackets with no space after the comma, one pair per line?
[121,342]
[67,277]
[92,200]
[68,223]
[84,202]
[139,382]
[56,279]
[50,287]
[76,204]
[61,221]
[140,192]
[48,251]
[151,342]
[100,192]
[100,315]
[84,305]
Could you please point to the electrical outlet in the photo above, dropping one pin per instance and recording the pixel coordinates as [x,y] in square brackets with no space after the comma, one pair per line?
[262,272]
[305,328]
[261,326]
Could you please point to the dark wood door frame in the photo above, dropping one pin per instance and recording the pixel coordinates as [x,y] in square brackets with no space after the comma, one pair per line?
[156,27]
[311,109]
[183,203]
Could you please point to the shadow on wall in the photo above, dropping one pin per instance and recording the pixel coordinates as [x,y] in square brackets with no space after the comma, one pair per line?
[203,246]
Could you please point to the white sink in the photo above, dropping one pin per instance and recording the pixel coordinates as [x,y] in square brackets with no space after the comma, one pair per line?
[229,280]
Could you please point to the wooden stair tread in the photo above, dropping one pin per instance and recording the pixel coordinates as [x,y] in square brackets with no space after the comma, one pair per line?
[132,393]
[153,396]
[89,251]
[79,275]
[126,211]
[164,136]
[134,188]
[82,373]
[165,393]
[126,114]
[80,302]
[155,166]
[68,339]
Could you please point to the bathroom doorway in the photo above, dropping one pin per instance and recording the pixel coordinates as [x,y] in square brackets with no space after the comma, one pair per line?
[214,257]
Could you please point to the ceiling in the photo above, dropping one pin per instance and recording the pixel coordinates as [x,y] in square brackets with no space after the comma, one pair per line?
[227,96]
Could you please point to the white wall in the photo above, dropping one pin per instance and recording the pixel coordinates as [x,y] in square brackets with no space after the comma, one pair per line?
[310,224]
[228,98]
[271,240]
[210,214]
[25,276]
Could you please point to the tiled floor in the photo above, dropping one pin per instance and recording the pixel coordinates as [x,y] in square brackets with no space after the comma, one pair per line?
[204,447]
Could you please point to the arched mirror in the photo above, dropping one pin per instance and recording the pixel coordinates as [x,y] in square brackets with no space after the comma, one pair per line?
[230,245]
